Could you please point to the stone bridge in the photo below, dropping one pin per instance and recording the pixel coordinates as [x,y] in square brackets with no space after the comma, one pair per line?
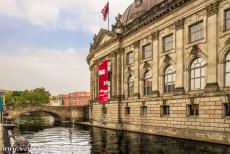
[60,113]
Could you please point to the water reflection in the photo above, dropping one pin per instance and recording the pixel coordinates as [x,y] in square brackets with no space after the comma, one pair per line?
[64,139]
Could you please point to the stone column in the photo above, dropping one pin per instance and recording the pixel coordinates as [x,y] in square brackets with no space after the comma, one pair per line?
[155,66]
[114,75]
[91,82]
[212,34]
[118,73]
[136,53]
[179,85]
[96,81]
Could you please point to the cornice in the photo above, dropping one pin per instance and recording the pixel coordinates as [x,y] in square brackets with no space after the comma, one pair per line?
[152,15]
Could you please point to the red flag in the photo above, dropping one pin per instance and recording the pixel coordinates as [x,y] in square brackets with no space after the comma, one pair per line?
[105,11]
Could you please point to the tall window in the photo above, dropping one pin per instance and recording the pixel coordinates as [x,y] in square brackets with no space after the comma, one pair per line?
[169,78]
[147,83]
[130,86]
[227,19]
[196,31]
[129,58]
[227,70]
[168,43]
[147,51]
[197,74]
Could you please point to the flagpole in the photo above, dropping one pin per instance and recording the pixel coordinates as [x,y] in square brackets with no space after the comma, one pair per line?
[108,16]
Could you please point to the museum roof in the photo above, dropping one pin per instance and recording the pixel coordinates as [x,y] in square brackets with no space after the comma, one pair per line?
[137,8]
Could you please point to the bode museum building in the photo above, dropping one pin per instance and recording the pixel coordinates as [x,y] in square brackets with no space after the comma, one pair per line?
[164,69]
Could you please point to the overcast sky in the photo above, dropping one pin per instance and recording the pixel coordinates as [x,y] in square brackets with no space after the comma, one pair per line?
[44,43]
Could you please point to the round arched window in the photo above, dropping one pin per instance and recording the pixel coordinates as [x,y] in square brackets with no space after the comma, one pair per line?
[197,74]
[147,83]
[130,86]
[227,70]
[169,79]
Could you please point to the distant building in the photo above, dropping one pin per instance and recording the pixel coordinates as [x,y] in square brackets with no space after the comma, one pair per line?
[76,99]
[56,101]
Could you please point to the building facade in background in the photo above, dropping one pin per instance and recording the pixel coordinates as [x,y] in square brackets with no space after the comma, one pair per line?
[167,70]
[76,99]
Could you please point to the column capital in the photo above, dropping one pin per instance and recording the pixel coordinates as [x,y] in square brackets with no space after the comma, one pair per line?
[136,44]
[212,8]
[155,35]
[179,24]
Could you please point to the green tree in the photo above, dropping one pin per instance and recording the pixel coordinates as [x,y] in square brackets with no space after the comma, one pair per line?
[38,96]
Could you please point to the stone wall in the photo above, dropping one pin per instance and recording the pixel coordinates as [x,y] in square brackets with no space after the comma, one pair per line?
[210,125]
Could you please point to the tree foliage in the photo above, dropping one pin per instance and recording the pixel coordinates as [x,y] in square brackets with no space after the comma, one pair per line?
[36,97]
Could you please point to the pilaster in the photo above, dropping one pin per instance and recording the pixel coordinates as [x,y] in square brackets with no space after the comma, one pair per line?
[212,32]
[114,74]
[179,85]
[155,67]
[136,47]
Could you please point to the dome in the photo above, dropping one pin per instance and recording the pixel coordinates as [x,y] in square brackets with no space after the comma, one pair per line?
[137,8]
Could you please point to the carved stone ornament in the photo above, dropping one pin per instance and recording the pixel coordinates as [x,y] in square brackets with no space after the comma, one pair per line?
[179,24]
[146,65]
[212,8]
[138,3]
[155,35]
[167,59]
[118,27]
[136,44]
[195,50]
[129,71]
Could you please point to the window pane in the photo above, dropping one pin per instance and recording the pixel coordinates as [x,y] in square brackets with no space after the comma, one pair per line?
[197,83]
[192,84]
[227,79]
[197,72]
[228,57]
[227,67]
[202,83]
[196,32]
[147,51]
[168,43]
[227,109]
[192,74]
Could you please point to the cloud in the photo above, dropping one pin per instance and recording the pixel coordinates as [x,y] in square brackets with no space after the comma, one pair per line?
[59,71]
[81,15]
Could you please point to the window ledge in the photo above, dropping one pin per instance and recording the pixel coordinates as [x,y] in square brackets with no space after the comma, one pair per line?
[190,44]
[191,92]
[192,116]
[129,65]
[164,116]
[227,88]
[167,52]
[168,94]
[147,59]
[227,117]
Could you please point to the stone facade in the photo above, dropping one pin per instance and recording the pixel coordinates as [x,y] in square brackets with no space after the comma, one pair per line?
[145,113]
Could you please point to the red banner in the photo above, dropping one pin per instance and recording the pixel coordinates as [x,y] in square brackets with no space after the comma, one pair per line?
[103,81]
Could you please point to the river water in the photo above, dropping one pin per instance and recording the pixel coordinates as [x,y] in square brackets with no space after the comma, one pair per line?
[48,137]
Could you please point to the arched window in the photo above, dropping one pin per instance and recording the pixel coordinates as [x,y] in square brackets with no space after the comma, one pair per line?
[169,79]
[130,86]
[227,70]
[197,74]
[147,83]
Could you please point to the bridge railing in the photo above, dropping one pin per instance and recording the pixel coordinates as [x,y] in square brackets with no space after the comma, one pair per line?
[48,107]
